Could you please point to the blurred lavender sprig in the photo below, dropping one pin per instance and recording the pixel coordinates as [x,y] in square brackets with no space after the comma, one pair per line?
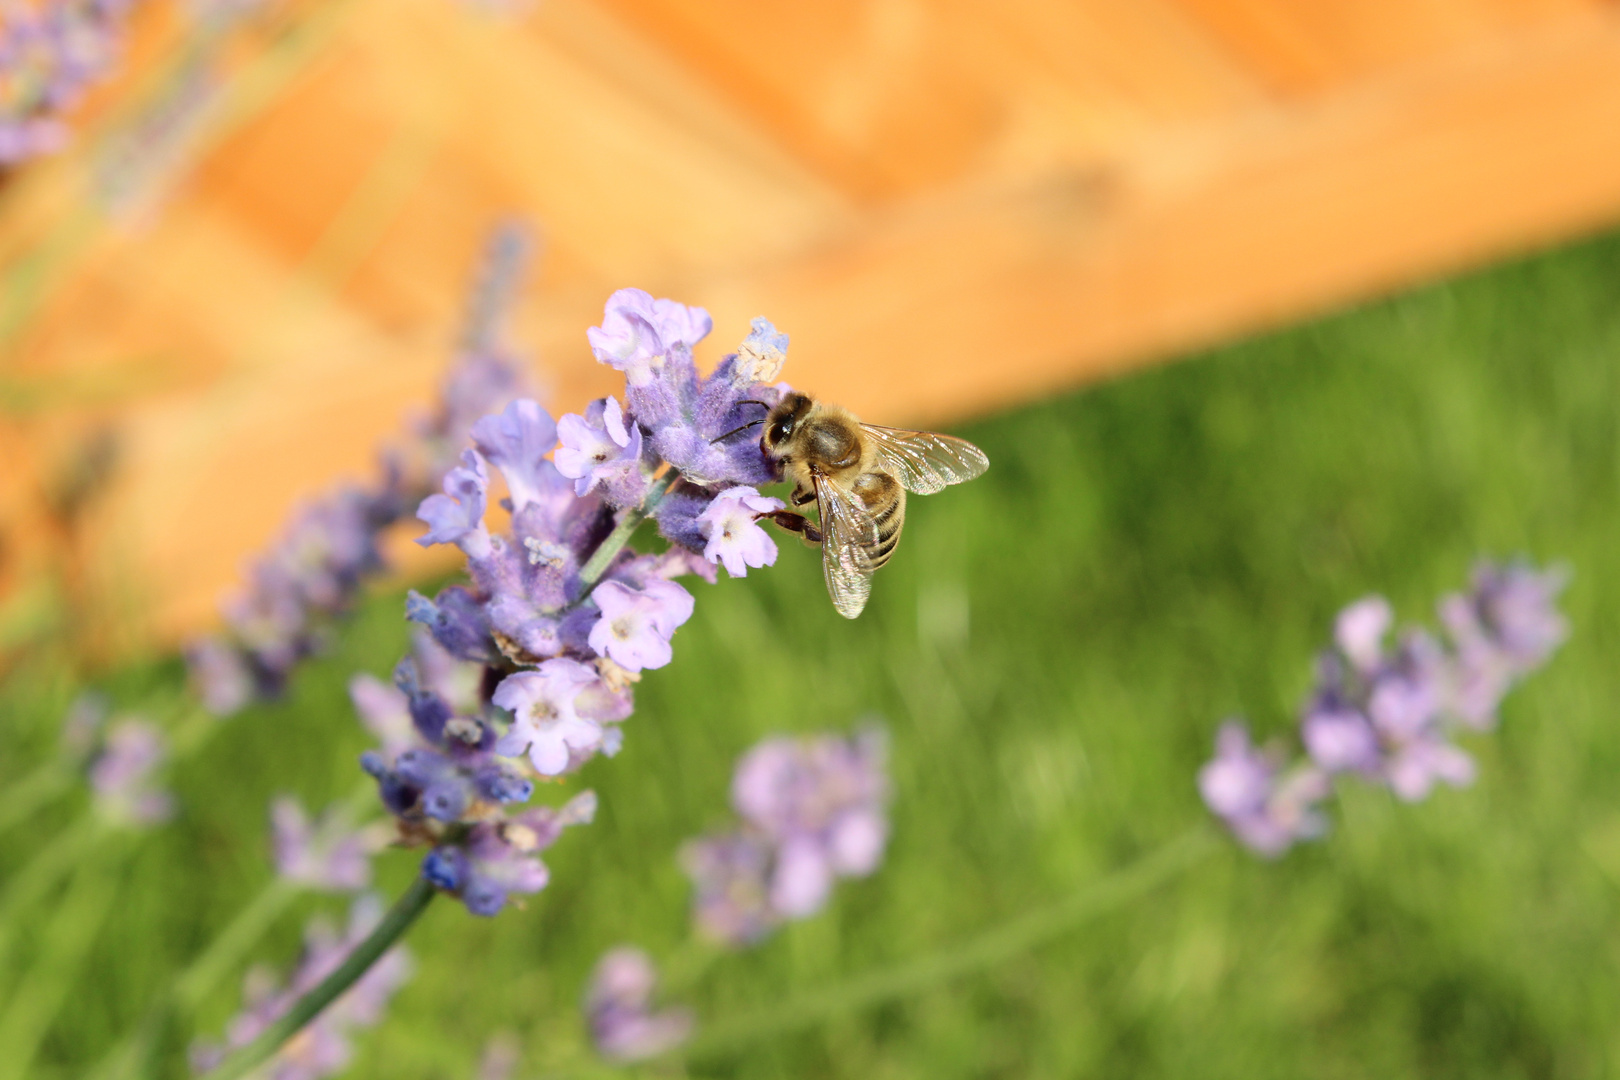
[813,810]
[1388,710]
[310,577]
[328,853]
[122,776]
[51,52]
[322,1048]
[624,1025]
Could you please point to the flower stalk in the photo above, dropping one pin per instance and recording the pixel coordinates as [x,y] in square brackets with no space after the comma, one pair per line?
[609,548]
[406,910]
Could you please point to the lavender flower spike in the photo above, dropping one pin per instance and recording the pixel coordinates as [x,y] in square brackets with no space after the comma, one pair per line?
[1388,713]
[618,1006]
[821,801]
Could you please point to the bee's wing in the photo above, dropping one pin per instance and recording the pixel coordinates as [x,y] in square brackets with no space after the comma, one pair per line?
[924,461]
[847,534]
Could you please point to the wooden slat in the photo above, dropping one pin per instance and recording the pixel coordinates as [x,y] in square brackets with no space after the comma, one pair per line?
[949,207]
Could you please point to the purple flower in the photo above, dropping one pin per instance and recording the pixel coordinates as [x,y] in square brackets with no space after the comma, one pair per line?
[457,516]
[121,777]
[545,723]
[813,811]
[635,627]
[457,620]
[618,1007]
[730,524]
[450,773]
[1416,766]
[598,452]
[1502,630]
[1360,629]
[219,675]
[328,854]
[1266,811]
[690,422]
[1340,739]
[500,858]
[517,442]
[500,1058]
[50,54]
[1388,714]
[638,333]
[828,788]
[730,876]
[322,1048]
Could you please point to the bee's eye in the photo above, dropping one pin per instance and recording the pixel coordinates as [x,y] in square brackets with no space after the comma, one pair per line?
[780,430]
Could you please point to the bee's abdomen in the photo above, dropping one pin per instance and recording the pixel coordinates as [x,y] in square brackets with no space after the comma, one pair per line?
[885,500]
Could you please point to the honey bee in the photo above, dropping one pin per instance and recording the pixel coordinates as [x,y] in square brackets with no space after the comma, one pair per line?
[858,475]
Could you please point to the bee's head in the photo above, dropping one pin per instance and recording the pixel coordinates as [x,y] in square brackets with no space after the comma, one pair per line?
[781,422]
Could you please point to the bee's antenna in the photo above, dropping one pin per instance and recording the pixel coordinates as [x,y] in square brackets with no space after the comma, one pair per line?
[733,431]
[754,401]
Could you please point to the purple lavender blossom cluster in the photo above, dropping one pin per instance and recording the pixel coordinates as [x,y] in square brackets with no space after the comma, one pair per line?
[1387,710]
[619,1009]
[51,52]
[438,772]
[311,575]
[813,810]
[123,775]
[560,616]
[322,1048]
[327,853]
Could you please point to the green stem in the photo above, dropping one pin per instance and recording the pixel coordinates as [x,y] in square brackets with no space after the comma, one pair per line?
[605,552]
[988,949]
[406,910]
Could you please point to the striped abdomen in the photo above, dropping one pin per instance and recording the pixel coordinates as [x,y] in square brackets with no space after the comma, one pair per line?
[885,500]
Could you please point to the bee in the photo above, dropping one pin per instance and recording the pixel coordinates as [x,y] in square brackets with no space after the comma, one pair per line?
[858,475]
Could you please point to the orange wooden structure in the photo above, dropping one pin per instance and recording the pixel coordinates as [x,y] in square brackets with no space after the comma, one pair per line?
[951,207]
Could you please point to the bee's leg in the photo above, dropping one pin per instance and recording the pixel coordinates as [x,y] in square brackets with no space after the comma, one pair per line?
[803,495]
[798,523]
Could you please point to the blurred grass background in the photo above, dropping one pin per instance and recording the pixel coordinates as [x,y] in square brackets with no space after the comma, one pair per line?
[1052,650]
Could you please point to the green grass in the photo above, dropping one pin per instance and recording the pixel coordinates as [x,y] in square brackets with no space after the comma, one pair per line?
[1052,650]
